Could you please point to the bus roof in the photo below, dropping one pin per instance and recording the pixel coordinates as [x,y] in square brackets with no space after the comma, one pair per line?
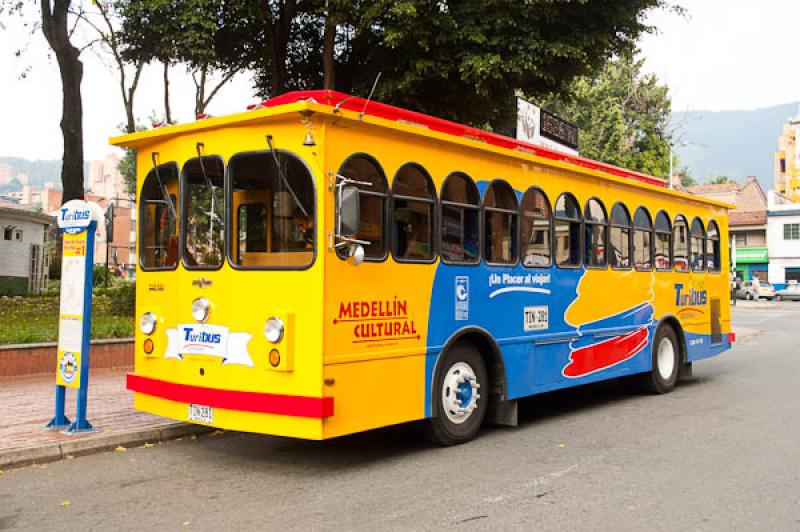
[337,103]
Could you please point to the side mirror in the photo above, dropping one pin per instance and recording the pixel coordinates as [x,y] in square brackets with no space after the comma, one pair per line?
[349,212]
[355,254]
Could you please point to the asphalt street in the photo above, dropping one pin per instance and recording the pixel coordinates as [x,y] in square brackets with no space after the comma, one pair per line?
[721,452]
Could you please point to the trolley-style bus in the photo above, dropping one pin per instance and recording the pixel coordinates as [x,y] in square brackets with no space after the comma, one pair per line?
[321,265]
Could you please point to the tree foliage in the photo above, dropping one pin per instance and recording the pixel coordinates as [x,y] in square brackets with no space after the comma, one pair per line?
[623,116]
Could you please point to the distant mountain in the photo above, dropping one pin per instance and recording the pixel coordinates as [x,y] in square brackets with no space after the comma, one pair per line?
[735,144]
[40,171]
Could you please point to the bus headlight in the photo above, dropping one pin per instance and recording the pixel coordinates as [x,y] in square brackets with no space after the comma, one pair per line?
[273,330]
[200,308]
[147,323]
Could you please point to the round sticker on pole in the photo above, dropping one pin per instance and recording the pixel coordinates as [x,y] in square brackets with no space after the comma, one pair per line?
[76,215]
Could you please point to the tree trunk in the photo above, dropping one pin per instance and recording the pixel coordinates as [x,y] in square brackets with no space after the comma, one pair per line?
[328,61]
[167,112]
[54,27]
[278,29]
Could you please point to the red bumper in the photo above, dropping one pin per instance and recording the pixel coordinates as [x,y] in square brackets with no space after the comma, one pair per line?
[267,403]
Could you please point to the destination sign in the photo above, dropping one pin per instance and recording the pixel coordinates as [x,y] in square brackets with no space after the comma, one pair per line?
[558,130]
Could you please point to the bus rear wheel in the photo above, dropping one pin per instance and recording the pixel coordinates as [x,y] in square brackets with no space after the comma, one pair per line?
[666,360]
[459,396]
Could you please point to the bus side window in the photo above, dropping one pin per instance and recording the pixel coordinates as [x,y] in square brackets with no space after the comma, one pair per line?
[413,202]
[373,204]
[567,240]
[595,233]
[500,223]
[681,242]
[158,224]
[620,237]
[663,243]
[642,240]
[536,229]
[698,245]
[460,214]
[713,247]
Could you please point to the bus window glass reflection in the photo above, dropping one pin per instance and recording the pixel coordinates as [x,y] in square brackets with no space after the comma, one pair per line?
[663,242]
[620,237]
[595,233]
[460,232]
[535,229]
[373,199]
[158,226]
[203,212]
[500,222]
[413,200]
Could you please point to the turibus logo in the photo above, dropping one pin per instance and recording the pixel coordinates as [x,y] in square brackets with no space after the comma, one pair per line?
[691,298]
[201,337]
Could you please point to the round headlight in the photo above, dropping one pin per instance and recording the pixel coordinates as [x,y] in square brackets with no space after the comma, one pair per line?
[273,330]
[147,323]
[200,308]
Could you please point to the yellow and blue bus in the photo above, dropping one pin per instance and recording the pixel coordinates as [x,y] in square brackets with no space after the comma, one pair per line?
[321,265]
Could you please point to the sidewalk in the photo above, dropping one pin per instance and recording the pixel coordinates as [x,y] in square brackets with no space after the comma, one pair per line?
[27,402]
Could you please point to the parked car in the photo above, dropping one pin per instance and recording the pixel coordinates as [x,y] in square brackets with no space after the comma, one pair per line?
[750,291]
[792,291]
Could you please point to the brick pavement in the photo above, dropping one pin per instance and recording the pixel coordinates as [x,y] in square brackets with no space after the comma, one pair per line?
[27,403]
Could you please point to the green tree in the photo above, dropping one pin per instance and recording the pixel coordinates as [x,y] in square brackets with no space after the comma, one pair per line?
[721,180]
[622,115]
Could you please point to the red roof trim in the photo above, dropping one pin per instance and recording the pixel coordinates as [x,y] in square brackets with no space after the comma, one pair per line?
[390,112]
[267,403]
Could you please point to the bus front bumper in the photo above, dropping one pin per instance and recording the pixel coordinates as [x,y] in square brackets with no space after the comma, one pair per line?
[265,403]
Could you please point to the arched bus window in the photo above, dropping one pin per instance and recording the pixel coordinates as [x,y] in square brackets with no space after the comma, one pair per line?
[373,204]
[620,241]
[158,223]
[203,213]
[681,244]
[698,245]
[500,223]
[642,240]
[595,233]
[536,229]
[272,201]
[663,243]
[413,201]
[567,231]
[713,255]
[460,219]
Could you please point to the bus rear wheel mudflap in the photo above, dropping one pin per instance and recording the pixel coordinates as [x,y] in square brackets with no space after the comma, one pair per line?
[460,396]
[666,362]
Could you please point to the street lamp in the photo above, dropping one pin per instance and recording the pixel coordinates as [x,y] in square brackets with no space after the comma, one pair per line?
[681,144]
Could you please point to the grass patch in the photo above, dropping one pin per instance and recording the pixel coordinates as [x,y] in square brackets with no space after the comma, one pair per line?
[32,319]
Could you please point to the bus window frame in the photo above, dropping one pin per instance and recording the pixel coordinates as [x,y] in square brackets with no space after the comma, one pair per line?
[671,234]
[514,238]
[229,236]
[702,246]
[534,189]
[140,221]
[185,205]
[606,233]
[685,223]
[554,244]
[433,222]
[652,231]
[718,254]
[387,199]
[476,207]
[630,229]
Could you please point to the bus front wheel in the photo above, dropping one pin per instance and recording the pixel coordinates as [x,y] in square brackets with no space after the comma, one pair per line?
[459,396]
[666,362]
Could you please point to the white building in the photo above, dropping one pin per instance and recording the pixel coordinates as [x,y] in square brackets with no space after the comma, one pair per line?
[23,257]
[783,238]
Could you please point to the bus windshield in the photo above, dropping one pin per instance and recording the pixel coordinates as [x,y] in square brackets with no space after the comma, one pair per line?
[203,212]
[272,199]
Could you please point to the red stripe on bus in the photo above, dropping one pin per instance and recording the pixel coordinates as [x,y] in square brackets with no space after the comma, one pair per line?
[266,403]
[605,354]
[390,112]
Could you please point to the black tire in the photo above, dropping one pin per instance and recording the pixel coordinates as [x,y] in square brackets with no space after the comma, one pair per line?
[440,429]
[660,380]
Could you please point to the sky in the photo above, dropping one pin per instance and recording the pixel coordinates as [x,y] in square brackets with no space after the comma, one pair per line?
[723,54]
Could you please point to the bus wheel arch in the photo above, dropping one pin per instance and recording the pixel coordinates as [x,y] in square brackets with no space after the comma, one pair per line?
[667,356]
[481,340]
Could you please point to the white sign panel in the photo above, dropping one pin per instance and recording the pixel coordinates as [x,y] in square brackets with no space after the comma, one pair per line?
[529,127]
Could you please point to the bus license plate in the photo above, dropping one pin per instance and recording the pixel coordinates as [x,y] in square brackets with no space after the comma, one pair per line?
[201,413]
[536,319]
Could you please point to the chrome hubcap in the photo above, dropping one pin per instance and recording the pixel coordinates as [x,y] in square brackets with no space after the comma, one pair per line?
[666,358]
[460,392]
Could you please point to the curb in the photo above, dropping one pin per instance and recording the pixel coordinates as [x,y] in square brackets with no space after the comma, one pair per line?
[52,452]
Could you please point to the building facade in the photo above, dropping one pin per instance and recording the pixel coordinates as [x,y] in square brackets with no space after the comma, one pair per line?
[787,161]
[23,250]
[783,234]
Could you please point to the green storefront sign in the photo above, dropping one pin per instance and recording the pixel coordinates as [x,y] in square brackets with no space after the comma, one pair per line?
[751,255]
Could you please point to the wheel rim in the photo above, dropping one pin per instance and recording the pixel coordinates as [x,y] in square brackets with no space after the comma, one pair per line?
[666,358]
[460,392]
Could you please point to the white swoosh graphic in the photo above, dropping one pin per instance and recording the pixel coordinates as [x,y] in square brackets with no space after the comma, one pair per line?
[519,289]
